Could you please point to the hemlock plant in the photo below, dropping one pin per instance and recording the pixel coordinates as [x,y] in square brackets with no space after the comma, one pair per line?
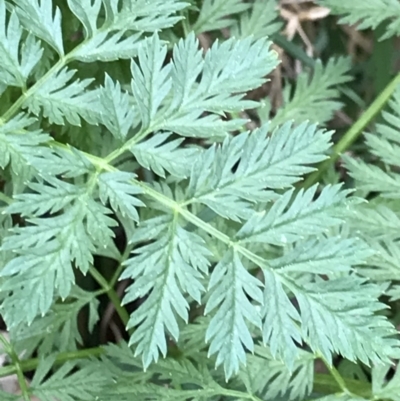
[240,276]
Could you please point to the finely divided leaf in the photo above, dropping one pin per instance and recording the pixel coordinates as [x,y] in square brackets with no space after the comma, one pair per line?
[322,256]
[118,114]
[261,20]
[231,177]
[285,222]
[38,17]
[271,379]
[315,97]
[281,321]
[368,14]
[87,11]
[58,330]
[121,34]
[146,16]
[60,100]
[151,82]
[105,46]
[16,60]
[170,98]
[46,198]
[382,388]
[68,383]
[214,14]
[120,191]
[372,178]
[20,150]
[384,145]
[164,271]
[340,316]
[46,252]
[232,288]
[162,155]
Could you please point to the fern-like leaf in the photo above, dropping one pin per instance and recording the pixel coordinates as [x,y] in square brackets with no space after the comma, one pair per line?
[368,15]
[230,286]
[261,20]
[61,101]
[315,97]
[260,163]
[214,14]
[17,60]
[167,268]
[37,16]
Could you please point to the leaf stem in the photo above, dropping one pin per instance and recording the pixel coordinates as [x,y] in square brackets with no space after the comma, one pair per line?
[17,366]
[323,383]
[31,364]
[20,101]
[4,198]
[123,314]
[355,130]
[326,384]
[118,271]
[337,376]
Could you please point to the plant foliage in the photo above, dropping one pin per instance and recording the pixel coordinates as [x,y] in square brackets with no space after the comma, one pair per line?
[112,124]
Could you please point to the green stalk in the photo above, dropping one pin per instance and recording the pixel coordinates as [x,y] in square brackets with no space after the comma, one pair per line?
[326,384]
[112,295]
[4,198]
[31,364]
[17,366]
[323,383]
[354,132]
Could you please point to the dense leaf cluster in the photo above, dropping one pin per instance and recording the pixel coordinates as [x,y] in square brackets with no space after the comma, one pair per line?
[114,122]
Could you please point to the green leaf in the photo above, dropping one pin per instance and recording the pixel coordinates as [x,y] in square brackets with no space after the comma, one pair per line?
[110,41]
[46,198]
[66,161]
[214,14]
[383,388]
[272,379]
[119,116]
[231,286]
[58,329]
[87,11]
[166,269]
[385,146]
[259,21]
[281,321]
[315,96]
[67,383]
[372,178]
[151,82]
[17,59]
[322,256]
[169,98]
[230,178]
[118,189]
[368,15]
[19,150]
[161,156]
[145,16]
[46,251]
[60,101]
[339,316]
[286,223]
[36,276]
[105,46]
[37,17]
